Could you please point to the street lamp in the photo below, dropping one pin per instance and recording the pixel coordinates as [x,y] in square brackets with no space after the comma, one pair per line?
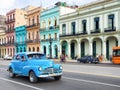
[50,47]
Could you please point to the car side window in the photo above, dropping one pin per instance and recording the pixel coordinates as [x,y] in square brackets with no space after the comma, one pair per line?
[18,57]
[23,58]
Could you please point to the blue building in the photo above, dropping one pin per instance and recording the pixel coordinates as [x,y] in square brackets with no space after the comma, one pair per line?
[20,33]
[49,29]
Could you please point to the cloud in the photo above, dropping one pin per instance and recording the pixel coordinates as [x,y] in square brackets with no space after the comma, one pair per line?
[4,4]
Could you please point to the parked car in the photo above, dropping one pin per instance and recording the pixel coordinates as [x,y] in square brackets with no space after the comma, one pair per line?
[34,65]
[88,59]
[7,57]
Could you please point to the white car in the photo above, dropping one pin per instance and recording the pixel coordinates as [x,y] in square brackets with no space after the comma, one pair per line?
[7,57]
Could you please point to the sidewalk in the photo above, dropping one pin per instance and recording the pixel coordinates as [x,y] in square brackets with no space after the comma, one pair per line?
[75,61]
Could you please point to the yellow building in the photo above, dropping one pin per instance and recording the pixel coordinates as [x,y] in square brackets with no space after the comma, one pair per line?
[33,25]
[2,43]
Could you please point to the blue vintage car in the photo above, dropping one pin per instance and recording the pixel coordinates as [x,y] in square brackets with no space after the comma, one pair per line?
[34,65]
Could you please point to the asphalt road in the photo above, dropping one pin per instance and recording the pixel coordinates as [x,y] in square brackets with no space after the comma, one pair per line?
[73,79]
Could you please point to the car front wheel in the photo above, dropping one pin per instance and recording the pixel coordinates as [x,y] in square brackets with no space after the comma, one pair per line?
[11,74]
[57,77]
[32,77]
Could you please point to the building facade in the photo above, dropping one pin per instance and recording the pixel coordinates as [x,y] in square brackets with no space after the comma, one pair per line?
[92,29]
[33,25]
[14,18]
[2,36]
[20,34]
[49,31]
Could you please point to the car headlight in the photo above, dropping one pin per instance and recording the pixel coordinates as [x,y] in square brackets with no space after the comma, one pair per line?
[40,68]
[60,67]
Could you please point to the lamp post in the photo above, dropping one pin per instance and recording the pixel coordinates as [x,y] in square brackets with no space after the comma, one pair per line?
[50,47]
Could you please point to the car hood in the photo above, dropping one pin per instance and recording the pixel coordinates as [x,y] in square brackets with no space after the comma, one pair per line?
[42,63]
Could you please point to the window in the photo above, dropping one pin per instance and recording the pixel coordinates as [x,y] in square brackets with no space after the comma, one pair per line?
[37,20]
[18,57]
[33,21]
[55,22]
[64,29]
[49,36]
[55,35]
[44,37]
[96,22]
[111,21]
[73,27]
[84,22]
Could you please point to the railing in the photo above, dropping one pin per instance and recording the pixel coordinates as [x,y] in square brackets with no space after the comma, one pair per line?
[18,43]
[49,28]
[10,31]
[48,40]
[10,21]
[110,29]
[74,33]
[95,31]
[33,25]
[9,43]
[33,41]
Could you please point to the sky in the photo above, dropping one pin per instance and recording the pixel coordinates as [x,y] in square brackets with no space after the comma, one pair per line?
[7,5]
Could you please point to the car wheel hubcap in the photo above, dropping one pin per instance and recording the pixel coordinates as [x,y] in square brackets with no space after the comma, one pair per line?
[31,77]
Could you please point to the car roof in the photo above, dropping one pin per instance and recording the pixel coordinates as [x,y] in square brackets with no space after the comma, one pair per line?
[29,53]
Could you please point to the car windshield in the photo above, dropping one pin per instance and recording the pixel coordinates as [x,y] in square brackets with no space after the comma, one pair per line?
[36,56]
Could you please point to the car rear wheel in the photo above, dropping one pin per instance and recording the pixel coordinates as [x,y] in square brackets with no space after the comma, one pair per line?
[57,77]
[11,74]
[32,77]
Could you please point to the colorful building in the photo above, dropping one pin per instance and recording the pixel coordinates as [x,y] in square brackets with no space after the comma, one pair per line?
[20,34]
[2,36]
[33,25]
[92,29]
[14,18]
[2,43]
[49,28]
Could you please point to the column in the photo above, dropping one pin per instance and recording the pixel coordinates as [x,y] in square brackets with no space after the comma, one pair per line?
[104,49]
[79,50]
[69,49]
[90,48]
[60,50]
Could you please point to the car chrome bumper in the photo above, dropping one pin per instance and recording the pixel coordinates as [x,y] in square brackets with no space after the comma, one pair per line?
[51,75]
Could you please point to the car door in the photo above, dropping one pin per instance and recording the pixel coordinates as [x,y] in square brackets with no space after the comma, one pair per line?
[23,63]
[16,64]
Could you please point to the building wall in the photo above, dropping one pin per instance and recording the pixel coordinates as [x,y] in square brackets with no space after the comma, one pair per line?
[89,12]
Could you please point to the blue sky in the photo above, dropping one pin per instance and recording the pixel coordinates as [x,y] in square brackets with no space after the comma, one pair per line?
[6,5]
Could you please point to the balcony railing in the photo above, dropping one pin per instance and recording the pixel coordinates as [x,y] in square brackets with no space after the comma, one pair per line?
[10,21]
[48,40]
[74,33]
[10,31]
[49,28]
[9,44]
[110,29]
[95,31]
[19,43]
[33,41]
[29,41]
[33,25]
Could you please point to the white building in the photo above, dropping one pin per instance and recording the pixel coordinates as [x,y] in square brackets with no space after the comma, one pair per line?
[92,29]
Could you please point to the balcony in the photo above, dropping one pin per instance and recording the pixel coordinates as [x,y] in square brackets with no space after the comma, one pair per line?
[36,41]
[110,29]
[9,44]
[95,31]
[10,31]
[74,34]
[29,41]
[18,43]
[33,25]
[49,28]
[33,41]
[48,40]
[10,21]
